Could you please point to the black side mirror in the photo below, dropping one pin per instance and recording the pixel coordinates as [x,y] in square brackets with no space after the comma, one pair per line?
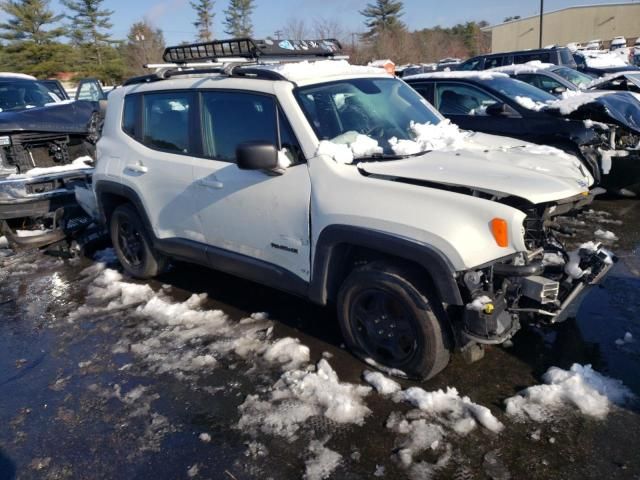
[498,109]
[257,156]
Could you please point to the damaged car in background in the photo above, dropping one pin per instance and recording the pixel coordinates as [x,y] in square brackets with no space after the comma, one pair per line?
[601,128]
[47,147]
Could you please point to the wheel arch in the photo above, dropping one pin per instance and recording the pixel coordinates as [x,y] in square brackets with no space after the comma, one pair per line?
[338,246]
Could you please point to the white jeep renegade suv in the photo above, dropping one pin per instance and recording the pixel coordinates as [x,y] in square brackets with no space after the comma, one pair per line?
[342,185]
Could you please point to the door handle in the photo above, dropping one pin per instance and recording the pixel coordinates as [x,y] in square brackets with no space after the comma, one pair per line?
[211,183]
[136,168]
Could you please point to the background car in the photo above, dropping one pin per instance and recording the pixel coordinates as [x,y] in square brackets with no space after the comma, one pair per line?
[555,55]
[492,102]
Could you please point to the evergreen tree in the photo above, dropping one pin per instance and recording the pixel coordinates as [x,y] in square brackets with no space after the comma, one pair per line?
[238,18]
[89,28]
[382,16]
[204,21]
[32,36]
[26,21]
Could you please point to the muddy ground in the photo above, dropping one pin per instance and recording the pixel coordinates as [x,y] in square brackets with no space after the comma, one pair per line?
[77,402]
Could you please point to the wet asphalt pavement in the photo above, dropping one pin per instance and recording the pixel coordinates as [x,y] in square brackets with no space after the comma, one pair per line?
[71,405]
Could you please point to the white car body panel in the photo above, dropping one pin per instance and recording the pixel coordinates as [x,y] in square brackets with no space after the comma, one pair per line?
[253,210]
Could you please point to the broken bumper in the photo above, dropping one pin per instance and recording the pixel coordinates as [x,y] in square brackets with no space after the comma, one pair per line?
[36,196]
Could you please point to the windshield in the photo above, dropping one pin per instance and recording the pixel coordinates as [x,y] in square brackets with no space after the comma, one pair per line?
[515,89]
[19,95]
[580,80]
[381,108]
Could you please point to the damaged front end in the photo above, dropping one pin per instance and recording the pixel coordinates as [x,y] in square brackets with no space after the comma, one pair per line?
[45,153]
[545,284]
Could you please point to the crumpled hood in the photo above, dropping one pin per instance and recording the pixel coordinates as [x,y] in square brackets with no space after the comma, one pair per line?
[65,117]
[513,170]
[619,108]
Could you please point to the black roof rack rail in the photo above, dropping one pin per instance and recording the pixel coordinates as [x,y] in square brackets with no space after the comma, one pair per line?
[242,71]
[248,48]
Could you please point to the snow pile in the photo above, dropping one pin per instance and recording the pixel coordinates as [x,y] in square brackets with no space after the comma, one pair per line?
[322,463]
[529,103]
[459,413]
[22,76]
[582,387]
[571,103]
[300,395]
[78,164]
[382,384]
[4,243]
[477,75]
[301,71]
[553,259]
[628,338]
[349,146]
[183,338]
[606,235]
[428,136]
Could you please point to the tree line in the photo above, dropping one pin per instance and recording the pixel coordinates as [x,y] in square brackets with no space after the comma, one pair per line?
[38,41]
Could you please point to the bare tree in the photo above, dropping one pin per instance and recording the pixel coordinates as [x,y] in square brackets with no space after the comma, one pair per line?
[145,44]
[295,29]
[328,28]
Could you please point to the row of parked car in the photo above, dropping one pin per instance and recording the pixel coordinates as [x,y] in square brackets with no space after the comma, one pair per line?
[347,186]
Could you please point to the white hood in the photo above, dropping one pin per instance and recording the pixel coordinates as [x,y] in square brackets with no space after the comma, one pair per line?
[497,165]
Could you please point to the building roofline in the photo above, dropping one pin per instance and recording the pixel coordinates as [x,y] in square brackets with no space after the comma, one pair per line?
[575,7]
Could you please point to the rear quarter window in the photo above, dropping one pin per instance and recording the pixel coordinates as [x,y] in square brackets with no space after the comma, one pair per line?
[130,115]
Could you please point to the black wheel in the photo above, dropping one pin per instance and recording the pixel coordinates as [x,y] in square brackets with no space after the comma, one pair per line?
[132,244]
[386,315]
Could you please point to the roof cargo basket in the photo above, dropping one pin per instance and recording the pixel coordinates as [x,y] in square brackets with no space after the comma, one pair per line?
[248,48]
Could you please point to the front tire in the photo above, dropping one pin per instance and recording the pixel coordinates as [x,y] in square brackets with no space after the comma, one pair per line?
[132,245]
[386,315]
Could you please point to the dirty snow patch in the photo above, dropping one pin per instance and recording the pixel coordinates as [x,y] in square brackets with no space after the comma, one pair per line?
[299,395]
[301,71]
[479,303]
[78,164]
[529,103]
[428,136]
[581,387]
[606,235]
[322,463]
[288,352]
[382,384]
[349,146]
[460,413]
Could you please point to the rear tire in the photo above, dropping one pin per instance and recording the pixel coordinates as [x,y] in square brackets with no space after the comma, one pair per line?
[386,314]
[132,244]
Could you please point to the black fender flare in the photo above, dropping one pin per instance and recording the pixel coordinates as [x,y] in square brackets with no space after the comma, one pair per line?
[328,261]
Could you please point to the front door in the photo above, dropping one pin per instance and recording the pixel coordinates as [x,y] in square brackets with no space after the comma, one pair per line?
[261,215]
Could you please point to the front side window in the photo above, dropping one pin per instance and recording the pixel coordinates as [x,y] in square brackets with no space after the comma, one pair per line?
[457,99]
[472,64]
[543,82]
[230,119]
[544,57]
[579,79]
[166,121]
[381,108]
[513,89]
[494,62]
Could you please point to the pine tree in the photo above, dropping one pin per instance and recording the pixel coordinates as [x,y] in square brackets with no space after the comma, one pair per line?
[382,16]
[26,21]
[238,18]
[32,36]
[89,28]
[204,21]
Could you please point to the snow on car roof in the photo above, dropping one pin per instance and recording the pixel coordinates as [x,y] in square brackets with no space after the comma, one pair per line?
[529,67]
[21,76]
[317,70]
[477,75]
[602,60]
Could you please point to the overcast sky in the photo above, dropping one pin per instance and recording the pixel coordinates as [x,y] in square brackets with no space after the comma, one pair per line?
[175,17]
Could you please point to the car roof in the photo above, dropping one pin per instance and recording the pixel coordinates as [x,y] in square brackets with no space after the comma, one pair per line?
[474,75]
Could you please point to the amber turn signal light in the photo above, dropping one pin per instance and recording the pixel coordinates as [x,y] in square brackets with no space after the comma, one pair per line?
[500,231]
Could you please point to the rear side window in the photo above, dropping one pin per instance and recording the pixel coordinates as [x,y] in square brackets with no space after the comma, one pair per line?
[544,57]
[130,115]
[493,62]
[232,118]
[472,64]
[166,121]
[457,99]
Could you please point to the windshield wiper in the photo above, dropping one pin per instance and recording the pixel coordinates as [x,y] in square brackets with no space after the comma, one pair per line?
[390,156]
